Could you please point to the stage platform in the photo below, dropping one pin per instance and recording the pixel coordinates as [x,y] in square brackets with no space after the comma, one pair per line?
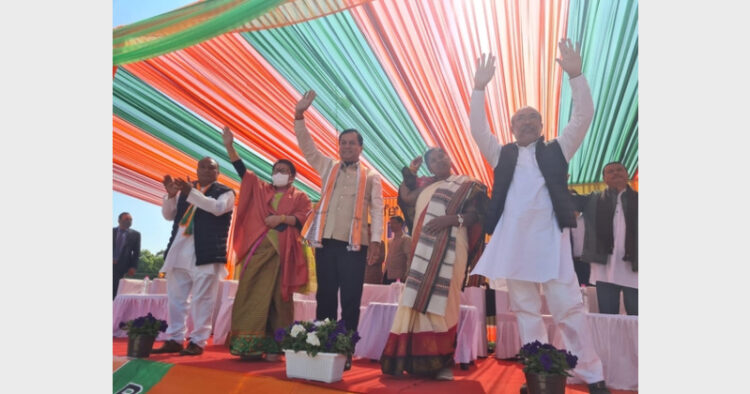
[217,371]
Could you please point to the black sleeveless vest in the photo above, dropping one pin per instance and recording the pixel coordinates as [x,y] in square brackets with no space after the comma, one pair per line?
[554,169]
[210,232]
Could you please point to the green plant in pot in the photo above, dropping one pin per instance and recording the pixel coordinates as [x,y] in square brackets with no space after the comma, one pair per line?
[142,331]
[546,367]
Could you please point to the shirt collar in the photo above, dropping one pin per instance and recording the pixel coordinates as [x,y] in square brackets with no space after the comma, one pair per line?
[346,165]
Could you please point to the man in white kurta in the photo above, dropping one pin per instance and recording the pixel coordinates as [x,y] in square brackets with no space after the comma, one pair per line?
[528,246]
[183,275]
[615,272]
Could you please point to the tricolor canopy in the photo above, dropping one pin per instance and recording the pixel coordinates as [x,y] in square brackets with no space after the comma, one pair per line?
[399,71]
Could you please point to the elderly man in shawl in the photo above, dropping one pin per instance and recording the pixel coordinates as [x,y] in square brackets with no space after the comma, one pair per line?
[270,259]
[447,234]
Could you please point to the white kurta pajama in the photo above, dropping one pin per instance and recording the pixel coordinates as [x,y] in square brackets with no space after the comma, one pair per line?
[527,246]
[184,277]
[617,270]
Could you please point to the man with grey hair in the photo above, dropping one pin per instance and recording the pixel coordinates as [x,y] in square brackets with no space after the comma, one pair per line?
[531,213]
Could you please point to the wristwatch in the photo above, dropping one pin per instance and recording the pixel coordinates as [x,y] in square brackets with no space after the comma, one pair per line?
[460,220]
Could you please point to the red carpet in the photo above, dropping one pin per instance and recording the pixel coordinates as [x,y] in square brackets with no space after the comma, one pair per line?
[222,372]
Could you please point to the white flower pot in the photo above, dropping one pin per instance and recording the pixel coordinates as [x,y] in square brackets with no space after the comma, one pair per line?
[324,367]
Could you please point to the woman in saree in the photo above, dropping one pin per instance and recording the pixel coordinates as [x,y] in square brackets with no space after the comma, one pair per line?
[447,234]
[270,264]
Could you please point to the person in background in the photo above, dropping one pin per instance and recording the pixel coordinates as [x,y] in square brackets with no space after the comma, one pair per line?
[270,261]
[196,255]
[611,240]
[374,269]
[126,249]
[399,248]
[582,268]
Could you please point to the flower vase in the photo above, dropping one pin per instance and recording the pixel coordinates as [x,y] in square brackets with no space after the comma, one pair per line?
[545,383]
[139,346]
[323,367]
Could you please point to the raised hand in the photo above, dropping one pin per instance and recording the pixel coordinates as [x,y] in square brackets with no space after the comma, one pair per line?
[485,71]
[227,136]
[414,165]
[272,221]
[184,186]
[170,186]
[570,57]
[304,103]
[437,224]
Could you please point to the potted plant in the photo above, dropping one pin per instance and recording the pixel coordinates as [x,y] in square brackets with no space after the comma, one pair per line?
[316,350]
[142,332]
[546,367]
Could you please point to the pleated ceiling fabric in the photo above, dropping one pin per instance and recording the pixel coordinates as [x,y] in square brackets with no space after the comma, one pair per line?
[399,71]
[204,20]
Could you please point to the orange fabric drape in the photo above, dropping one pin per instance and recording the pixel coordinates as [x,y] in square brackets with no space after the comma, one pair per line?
[226,81]
[429,48]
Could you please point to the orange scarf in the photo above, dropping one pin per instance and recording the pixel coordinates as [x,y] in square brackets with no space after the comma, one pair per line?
[313,230]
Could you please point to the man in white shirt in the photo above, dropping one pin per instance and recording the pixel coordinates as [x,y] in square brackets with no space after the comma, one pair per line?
[338,226]
[196,254]
[611,240]
[531,213]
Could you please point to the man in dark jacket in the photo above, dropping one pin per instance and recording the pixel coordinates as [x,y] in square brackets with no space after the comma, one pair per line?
[126,249]
[196,254]
[611,240]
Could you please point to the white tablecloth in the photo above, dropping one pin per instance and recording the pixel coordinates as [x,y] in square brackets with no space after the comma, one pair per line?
[130,306]
[157,286]
[223,322]
[475,296]
[304,309]
[227,290]
[615,341]
[131,286]
[300,296]
[377,319]
[375,293]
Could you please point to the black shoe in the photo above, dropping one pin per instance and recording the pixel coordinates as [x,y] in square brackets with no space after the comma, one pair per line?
[348,364]
[192,350]
[169,346]
[524,389]
[598,388]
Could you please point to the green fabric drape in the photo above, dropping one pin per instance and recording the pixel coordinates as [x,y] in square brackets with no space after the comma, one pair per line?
[330,56]
[151,111]
[183,27]
[608,32]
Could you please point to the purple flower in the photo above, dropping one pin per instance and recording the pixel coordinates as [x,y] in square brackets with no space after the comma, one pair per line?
[139,322]
[571,359]
[546,362]
[279,335]
[355,338]
[163,326]
[123,325]
[531,348]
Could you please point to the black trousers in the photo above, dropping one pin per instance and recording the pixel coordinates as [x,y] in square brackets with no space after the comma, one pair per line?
[387,281]
[338,268]
[117,274]
[583,271]
[608,297]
